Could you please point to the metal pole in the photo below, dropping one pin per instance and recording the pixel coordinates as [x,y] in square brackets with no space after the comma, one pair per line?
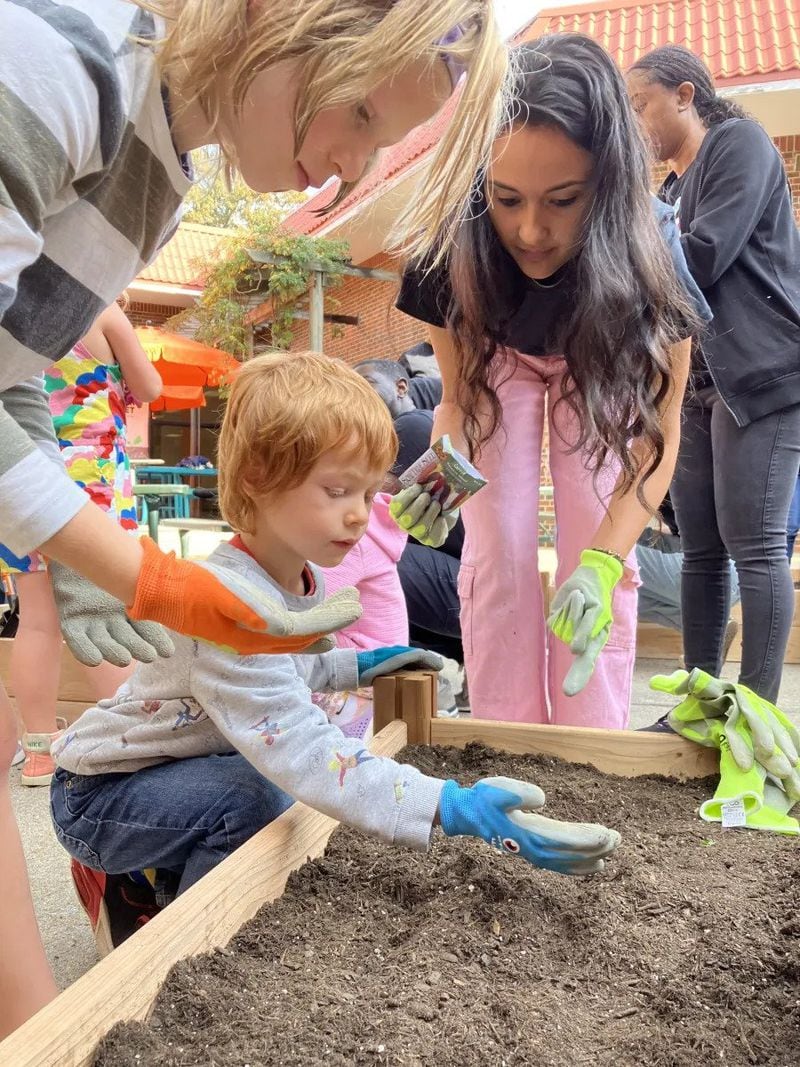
[316,311]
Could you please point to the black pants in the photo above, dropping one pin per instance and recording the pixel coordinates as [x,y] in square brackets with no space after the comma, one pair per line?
[732,490]
[430,585]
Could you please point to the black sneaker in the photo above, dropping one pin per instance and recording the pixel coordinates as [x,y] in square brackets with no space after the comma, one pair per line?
[660,726]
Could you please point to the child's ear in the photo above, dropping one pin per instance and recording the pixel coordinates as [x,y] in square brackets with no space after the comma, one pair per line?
[402,386]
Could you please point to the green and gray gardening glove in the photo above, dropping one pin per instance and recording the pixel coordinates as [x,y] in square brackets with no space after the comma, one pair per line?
[769,738]
[415,510]
[96,626]
[745,795]
[580,614]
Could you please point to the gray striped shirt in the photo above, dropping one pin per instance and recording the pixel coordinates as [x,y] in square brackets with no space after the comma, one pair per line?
[90,186]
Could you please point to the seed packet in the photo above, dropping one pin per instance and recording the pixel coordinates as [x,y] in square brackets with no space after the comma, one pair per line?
[448,476]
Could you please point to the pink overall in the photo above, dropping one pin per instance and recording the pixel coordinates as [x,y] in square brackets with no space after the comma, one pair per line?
[515,666]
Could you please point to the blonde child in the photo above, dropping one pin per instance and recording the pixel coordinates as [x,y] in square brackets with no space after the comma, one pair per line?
[192,758]
[93,168]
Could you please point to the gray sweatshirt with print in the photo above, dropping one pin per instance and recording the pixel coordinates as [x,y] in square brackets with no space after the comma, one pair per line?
[203,701]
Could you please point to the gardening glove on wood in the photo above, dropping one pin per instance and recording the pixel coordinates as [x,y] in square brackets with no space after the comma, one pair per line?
[96,626]
[502,811]
[415,510]
[581,616]
[236,616]
[380,661]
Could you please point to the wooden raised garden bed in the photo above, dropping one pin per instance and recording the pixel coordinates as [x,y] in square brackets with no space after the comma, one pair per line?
[124,985]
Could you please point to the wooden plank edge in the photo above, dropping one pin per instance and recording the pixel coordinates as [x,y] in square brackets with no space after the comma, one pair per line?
[123,985]
[628,753]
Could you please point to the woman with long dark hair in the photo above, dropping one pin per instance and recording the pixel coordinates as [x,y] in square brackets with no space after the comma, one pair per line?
[740,447]
[559,305]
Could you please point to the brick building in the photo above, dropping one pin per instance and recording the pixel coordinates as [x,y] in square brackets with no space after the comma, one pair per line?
[751,46]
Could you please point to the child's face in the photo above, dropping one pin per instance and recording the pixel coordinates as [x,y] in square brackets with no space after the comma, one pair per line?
[324,517]
[340,141]
[539,187]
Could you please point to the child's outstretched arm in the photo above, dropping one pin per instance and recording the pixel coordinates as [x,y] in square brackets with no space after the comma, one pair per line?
[138,373]
[265,711]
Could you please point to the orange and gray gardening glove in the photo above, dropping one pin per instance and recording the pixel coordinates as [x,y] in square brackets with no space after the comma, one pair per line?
[237,615]
[95,624]
[580,614]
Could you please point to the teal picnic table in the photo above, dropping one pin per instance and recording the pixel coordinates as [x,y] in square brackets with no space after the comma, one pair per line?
[151,495]
[162,475]
[173,475]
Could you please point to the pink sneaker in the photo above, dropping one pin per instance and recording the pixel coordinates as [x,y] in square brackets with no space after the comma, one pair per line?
[39,765]
[351,711]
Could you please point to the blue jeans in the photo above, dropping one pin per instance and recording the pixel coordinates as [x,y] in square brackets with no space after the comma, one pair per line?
[430,585]
[185,816]
[793,522]
[660,591]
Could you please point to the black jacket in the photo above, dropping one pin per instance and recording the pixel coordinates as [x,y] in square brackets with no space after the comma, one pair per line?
[742,246]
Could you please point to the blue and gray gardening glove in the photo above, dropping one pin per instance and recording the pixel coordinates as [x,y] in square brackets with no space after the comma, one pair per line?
[96,627]
[502,812]
[380,661]
[581,616]
[415,510]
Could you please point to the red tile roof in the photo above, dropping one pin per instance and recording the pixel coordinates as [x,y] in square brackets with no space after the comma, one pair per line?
[743,41]
[178,261]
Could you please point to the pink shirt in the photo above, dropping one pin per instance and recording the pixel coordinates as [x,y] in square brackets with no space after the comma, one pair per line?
[371,566]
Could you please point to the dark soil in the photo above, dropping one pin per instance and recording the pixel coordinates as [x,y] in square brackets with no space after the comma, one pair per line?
[685,952]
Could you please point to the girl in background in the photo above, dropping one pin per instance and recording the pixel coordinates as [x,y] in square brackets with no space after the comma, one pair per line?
[87,391]
[560,303]
[740,445]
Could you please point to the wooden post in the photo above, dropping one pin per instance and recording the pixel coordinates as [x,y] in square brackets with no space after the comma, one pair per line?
[410,696]
[316,310]
[385,693]
[417,709]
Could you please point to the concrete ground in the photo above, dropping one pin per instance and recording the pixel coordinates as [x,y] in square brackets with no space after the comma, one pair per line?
[66,933]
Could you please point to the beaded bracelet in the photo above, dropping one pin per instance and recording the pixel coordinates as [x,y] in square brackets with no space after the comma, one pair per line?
[608,552]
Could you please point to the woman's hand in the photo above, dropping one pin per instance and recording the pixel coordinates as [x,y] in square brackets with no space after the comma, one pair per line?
[581,614]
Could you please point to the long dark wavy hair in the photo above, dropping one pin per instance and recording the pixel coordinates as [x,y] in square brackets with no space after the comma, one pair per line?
[672,65]
[629,306]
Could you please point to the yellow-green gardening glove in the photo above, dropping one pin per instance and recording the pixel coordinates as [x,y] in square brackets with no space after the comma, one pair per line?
[745,797]
[415,509]
[776,744]
[773,739]
[580,614]
[746,794]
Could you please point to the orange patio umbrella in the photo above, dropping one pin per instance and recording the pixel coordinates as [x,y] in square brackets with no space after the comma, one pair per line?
[186,367]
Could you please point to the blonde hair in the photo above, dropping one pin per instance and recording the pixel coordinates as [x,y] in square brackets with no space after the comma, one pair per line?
[346,49]
[285,410]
